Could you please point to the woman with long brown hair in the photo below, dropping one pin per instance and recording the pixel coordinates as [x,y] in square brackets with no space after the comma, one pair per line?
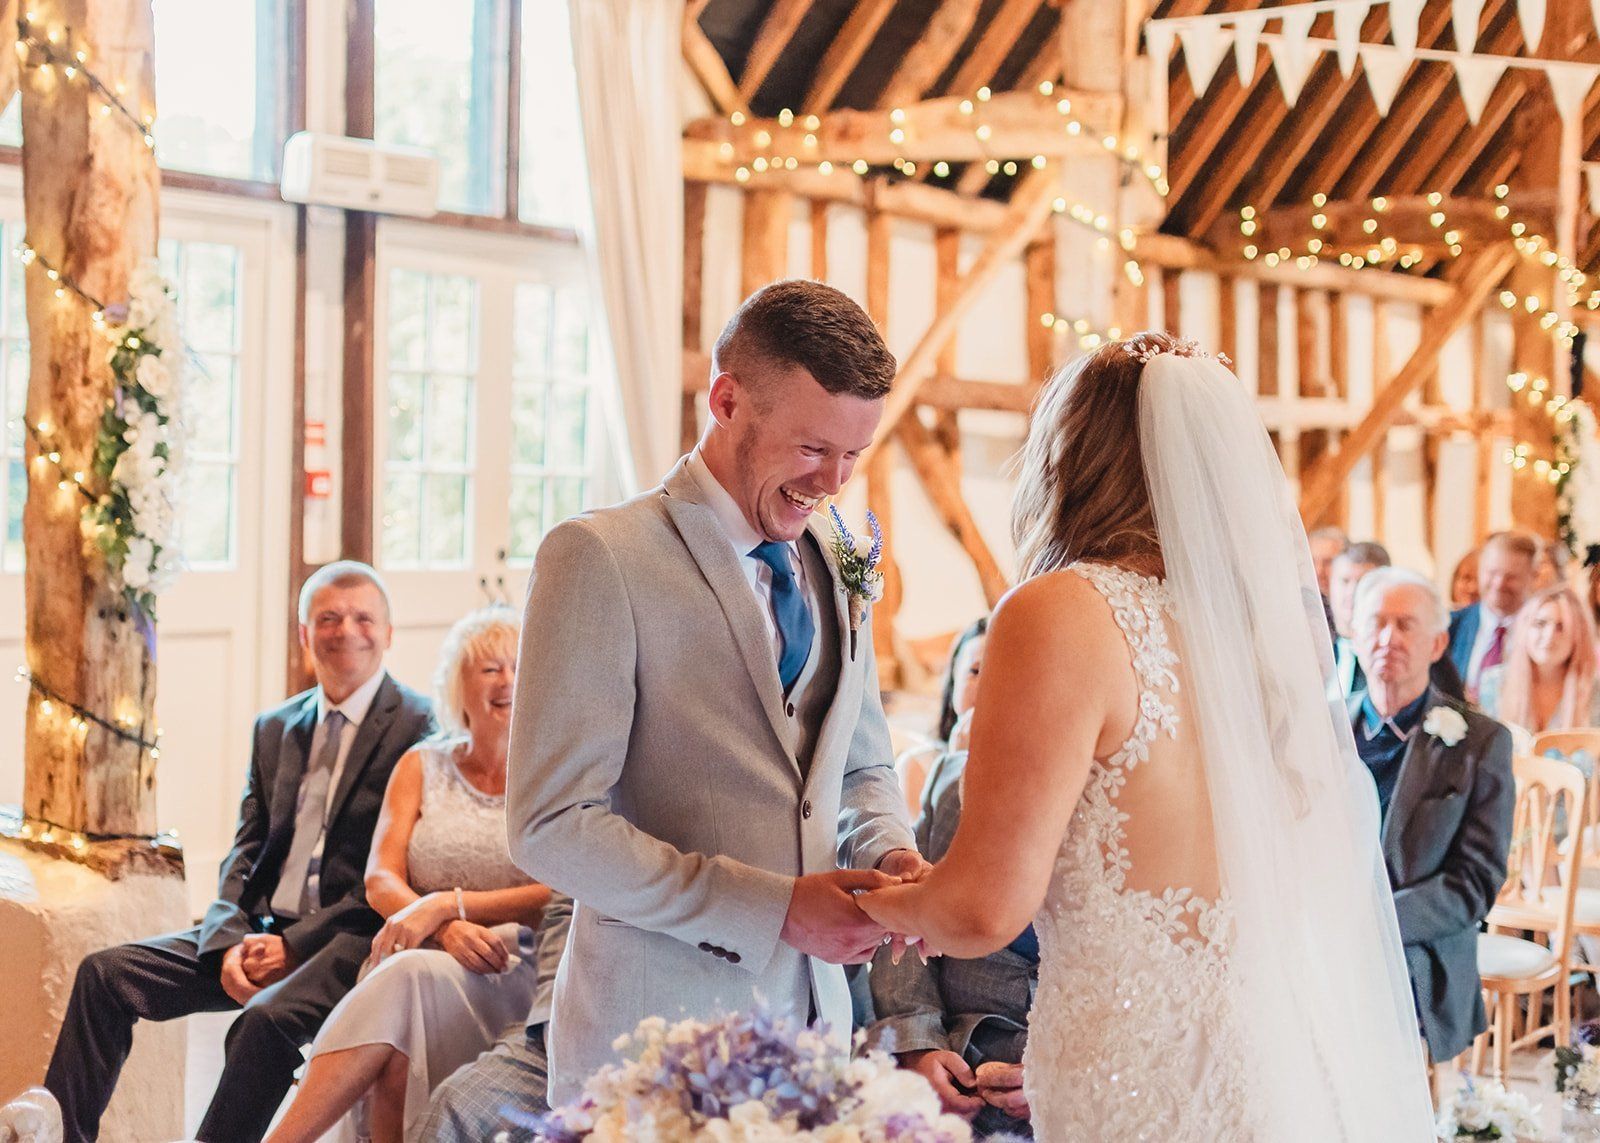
[1158,784]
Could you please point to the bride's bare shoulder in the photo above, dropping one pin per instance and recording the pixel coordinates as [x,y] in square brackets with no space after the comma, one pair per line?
[1055,606]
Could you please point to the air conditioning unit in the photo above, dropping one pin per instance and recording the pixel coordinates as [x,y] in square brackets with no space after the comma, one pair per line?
[358,174]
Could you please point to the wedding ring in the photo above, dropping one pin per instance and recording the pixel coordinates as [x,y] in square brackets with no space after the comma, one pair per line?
[887,937]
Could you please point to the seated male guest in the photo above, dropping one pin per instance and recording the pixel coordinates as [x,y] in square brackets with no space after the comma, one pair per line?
[1348,568]
[961,1024]
[290,926]
[1445,798]
[1507,567]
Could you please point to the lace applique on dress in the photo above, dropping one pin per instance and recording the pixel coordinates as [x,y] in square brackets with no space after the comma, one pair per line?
[460,835]
[1133,1033]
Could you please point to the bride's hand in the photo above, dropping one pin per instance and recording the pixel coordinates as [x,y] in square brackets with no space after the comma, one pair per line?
[894,909]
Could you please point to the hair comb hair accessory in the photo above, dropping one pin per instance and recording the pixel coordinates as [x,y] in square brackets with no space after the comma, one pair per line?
[1144,346]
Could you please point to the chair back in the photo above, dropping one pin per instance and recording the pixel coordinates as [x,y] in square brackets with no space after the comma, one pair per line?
[1568,743]
[1541,883]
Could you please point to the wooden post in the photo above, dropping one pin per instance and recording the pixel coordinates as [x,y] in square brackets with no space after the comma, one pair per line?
[694,232]
[879,467]
[946,288]
[1039,262]
[90,190]
[766,239]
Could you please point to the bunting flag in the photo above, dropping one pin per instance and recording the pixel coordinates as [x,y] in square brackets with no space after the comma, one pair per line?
[1292,56]
[1204,43]
[1403,17]
[1385,68]
[1246,41]
[1569,83]
[1347,21]
[1530,14]
[1464,17]
[1476,77]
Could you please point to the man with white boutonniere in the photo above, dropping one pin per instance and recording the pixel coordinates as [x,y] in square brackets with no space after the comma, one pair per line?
[708,773]
[1445,799]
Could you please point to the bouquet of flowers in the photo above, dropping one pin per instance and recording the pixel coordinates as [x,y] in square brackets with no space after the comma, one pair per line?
[1488,1111]
[746,1078]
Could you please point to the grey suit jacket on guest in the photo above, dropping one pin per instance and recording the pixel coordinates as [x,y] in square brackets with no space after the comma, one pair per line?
[658,774]
[977,1008]
[1445,844]
[398,718]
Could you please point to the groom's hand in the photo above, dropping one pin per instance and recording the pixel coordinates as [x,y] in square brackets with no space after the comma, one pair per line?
[824,920]
[906,864]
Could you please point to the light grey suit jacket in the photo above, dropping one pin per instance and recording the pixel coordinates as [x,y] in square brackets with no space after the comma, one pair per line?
[655,777]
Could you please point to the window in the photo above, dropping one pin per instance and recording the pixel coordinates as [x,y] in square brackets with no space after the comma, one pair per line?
[553,182]
[551,401]
[220,80]
[440,81]
[428,462]
[207,277]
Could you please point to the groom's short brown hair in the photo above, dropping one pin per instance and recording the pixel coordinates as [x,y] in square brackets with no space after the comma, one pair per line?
[814,326]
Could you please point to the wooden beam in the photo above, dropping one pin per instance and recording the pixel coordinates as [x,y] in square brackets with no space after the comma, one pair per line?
[1000,35]
[1460,152]
[708,68]
[1039,262]
[851,43]
[694,257]
[819,241]
[946,31]
[1408,220]
[943,485]
[946,287]
[949,393]
[1010,125]
[878,468]
[1216,124]
[764,256]
[1479,278]
[779,27]
[1029,210]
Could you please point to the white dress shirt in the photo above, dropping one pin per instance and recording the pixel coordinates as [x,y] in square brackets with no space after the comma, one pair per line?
[286,897]
[744,539]
[1488,624]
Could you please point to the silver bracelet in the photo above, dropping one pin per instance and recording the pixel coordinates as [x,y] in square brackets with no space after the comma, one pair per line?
[461,908]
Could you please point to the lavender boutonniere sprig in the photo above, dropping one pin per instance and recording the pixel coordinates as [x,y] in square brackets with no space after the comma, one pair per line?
[859,577]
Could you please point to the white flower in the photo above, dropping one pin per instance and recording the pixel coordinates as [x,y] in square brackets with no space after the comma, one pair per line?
[152,375]
[1446,724]
[896,1091]
[863,546]
[136,567]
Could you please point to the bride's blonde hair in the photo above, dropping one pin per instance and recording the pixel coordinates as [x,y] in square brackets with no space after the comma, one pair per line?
[1081,492]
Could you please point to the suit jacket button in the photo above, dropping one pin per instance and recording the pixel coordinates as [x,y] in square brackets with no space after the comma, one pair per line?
[733,958]
[790,710]
[805,808]
[705,946]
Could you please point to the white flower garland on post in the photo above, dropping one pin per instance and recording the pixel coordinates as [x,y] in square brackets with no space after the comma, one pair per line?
[1577,478]
[140,451]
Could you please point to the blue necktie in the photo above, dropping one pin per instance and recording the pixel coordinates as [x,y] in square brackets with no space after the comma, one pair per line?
[795,625]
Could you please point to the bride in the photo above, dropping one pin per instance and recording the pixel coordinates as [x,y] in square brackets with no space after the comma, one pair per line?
[1158,783]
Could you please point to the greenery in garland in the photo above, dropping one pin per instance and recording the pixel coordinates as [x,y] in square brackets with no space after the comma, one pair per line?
[139,454]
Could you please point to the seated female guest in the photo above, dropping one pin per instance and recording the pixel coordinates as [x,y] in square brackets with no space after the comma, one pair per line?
[1464,583]
[446,982]
[960,688]
[1547,681]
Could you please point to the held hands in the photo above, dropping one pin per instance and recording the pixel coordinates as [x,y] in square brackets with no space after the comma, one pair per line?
[475,948]
[952,1080]
[265,959]
[412,926]
[910,867]
[1000,1086]
[235,981]
[824,921]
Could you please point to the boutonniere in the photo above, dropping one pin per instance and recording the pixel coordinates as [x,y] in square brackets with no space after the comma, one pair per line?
[1446,724]
[859,577]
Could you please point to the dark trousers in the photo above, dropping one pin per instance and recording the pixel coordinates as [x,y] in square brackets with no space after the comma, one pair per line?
[164,978]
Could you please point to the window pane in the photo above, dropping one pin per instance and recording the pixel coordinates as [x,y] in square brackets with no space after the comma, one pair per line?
[16,496]
[408,319]
[402,519]
[527,516]
[405,416]
[568,427]
[210,294]
[572,335]
[210,383]
[439,78]
[454,301]
[527,422]
[446,517]
[553,183]
[219,72]
[449,419]
[533,328]
[566,498]
[207,522]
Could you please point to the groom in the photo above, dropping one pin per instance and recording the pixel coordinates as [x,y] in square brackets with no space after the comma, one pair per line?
[698,756]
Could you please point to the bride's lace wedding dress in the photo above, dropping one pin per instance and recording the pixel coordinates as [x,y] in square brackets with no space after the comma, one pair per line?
[1135,1030]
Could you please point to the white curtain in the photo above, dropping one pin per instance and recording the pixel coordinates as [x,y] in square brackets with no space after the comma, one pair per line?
[627,54]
